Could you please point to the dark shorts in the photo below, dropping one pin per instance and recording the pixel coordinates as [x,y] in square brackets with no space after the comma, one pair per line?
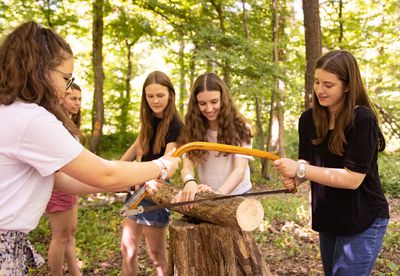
[159,218]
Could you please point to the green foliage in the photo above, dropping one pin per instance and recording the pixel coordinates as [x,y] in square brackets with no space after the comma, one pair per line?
[286,208]
[388,170]
[391,246]
[107,234]
[288,242]
[392,241]
[114,145]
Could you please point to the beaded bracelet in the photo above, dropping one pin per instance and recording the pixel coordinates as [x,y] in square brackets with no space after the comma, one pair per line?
[192,179]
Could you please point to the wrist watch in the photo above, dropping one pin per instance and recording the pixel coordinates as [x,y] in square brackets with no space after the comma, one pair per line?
[301,169]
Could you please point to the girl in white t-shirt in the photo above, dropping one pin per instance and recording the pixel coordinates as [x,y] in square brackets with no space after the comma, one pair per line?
[213,117]
[38,148]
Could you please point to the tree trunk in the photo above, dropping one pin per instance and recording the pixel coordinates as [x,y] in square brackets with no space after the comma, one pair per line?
[225,64]
[98,105]
[182,76]
[207,249]
[261,135]
[341,20]
[279,84]
[125,99]
[245,213]
[312,28]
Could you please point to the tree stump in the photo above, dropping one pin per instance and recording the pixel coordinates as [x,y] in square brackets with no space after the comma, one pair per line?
[209,249]
[220,246]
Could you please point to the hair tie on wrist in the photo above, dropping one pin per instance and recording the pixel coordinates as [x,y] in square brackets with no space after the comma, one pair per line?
[192,179]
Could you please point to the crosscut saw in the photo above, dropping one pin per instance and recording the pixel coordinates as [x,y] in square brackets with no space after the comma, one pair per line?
[131,206]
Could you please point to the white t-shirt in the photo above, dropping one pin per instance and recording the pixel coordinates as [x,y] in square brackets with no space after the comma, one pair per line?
[216,169]
[33,145]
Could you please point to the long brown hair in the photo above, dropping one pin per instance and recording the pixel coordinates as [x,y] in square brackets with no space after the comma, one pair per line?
[345,67]
[76,118]
[232,125]
[147,115]
[27,56]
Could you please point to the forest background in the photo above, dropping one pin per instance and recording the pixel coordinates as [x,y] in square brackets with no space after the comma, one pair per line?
[265,51]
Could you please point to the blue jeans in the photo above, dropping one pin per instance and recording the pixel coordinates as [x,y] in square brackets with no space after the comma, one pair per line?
[352,254]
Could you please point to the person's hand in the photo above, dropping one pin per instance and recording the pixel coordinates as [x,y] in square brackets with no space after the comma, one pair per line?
[170,162]
[288,182]
[204,188]
[286,167]
[152,186]
[186,194]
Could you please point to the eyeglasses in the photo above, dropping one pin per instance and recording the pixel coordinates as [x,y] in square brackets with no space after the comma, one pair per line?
[67,77]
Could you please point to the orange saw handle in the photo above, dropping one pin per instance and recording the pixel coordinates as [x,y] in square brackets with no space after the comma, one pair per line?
[224,148]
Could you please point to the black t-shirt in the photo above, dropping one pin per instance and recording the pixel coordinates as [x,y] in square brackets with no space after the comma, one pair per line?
[172,135]
[345,211]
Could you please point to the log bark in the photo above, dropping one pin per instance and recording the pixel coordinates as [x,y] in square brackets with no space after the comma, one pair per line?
[208,249]
[245,213]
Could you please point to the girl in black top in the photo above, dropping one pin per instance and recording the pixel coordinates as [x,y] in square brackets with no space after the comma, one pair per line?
[339,140]
[160,128]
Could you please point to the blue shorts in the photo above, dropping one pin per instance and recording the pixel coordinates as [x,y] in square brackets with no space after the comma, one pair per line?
[158,218]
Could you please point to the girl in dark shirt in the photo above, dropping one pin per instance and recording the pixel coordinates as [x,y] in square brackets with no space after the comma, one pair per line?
[339,140]
[160,127]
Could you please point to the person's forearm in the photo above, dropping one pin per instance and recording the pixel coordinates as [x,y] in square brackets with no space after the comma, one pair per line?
[333,177]
[337,178]
[131,153]
[187,172]
[236,176]
[110,175]
[67,184]
[233,180]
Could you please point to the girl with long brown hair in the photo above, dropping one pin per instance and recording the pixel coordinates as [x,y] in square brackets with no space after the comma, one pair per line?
[38,148]
[212,116]
[160,128]
[339,140]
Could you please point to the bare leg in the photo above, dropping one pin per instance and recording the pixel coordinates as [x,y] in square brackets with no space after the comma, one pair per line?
[156,244]
[131,234]
[70,250]
[63,225]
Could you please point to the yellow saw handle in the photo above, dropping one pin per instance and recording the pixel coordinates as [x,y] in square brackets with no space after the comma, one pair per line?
[224,148]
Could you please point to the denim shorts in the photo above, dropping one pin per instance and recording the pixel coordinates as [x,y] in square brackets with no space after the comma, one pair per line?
[158,218]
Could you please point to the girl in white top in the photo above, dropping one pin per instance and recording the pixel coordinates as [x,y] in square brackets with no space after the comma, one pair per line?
[37,143]
[213,117]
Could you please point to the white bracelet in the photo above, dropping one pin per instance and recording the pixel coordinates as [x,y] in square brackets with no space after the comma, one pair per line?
[163,169]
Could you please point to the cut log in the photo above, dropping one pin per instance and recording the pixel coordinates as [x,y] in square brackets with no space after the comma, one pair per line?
[208,249]
[245,213]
